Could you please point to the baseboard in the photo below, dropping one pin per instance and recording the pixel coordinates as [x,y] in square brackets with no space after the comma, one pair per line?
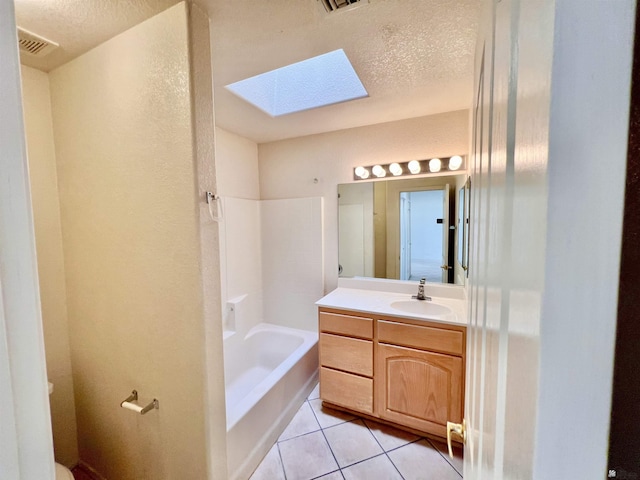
[89,471]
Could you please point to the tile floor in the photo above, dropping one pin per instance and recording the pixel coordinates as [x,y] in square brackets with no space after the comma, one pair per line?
[330,445]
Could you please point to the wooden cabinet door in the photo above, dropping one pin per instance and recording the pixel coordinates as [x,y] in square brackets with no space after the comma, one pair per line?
[419,389]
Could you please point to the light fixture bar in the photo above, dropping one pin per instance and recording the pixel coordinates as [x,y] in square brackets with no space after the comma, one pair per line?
[414,167]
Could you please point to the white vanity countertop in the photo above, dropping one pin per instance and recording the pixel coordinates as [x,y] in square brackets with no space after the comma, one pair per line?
[379,302]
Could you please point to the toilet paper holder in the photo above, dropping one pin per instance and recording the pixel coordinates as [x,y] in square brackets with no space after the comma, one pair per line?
[127,403]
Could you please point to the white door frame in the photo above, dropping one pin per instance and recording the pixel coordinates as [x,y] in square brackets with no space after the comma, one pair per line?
[405,237]
[446,230]
[26,443]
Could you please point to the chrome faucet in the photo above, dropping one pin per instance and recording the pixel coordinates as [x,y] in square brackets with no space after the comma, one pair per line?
[421,295]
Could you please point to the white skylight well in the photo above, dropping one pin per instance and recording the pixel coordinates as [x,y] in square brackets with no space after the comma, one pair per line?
[316,82]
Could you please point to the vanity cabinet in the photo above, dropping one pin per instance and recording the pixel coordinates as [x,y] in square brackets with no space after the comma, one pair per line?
[404,371]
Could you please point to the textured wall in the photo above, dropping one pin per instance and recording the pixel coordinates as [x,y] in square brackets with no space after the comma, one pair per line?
[288,167]
[204,130]
[236,166]
[53,294]
[123,132]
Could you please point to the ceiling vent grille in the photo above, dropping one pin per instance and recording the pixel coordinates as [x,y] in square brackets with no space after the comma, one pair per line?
[333,5]
[33,44]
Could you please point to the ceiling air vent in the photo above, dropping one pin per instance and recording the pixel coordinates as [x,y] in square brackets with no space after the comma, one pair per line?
[33,44]
[333,5]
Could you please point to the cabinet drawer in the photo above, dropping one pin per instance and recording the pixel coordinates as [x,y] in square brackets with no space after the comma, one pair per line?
[346,325]
[346,390]
[349,354]
[427,338]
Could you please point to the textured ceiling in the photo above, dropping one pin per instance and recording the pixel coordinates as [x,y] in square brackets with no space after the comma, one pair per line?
[79,25]
[414,57]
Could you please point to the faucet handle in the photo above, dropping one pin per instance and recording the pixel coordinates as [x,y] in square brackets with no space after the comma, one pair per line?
[422,281]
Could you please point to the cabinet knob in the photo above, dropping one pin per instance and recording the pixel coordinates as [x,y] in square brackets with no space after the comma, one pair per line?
[458,429]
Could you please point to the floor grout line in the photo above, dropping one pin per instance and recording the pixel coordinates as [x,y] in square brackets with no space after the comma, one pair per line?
[284,472]
[385,451]
[446,459]
[363,422]
[330,449]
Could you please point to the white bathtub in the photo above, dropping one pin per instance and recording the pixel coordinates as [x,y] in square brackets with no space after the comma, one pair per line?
[268,374]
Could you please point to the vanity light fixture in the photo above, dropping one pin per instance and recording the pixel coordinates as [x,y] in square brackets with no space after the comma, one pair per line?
[414,167]
[362,173]
[378,171]
[455,162]
[435,164]
[395,169]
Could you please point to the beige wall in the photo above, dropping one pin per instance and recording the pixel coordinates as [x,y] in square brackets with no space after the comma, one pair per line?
[205,163]
[53,295]
[288,168]
[123,130]
[236,166]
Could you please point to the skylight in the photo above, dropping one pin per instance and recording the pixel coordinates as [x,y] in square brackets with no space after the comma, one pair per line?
[316,82]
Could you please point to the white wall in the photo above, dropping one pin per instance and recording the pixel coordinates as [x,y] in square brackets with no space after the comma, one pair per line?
[289,168]
[241,255]
[271,251]
[240,246]
[292,268]
[43,179]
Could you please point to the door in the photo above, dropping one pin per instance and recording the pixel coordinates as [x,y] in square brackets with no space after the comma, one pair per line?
[424,216]
[26,444]
[506,271]
[405,236]
[445,236]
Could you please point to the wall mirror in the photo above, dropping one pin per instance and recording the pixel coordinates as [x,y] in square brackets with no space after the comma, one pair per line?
[404,229]
[462,226]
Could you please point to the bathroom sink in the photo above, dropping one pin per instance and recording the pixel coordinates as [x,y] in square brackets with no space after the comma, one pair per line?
[421,307]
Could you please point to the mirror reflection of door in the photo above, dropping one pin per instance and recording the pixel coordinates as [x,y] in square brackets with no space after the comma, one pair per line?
[355,231]
[423,233]
[406,221]
[371,237]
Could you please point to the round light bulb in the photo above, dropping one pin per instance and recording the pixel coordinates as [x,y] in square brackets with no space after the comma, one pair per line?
[455,162]
[361,172]
[395,169]
[414,166]
[435,165]
[378,171]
